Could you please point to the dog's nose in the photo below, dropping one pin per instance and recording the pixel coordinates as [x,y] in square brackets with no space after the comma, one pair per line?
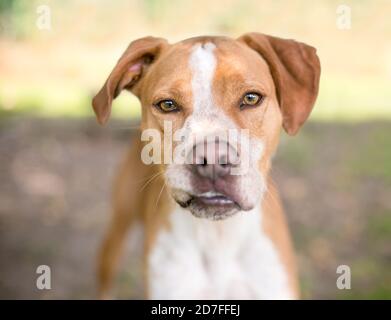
[214,159]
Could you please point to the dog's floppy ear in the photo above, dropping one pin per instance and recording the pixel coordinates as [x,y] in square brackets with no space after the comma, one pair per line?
[295,69]
[129,69]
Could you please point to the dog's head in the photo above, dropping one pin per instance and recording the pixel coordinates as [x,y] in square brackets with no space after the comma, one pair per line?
[218,105]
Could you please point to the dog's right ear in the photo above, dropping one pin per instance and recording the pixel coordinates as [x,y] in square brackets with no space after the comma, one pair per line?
[129,69]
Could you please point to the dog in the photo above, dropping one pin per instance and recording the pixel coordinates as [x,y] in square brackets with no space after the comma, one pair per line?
[208,233]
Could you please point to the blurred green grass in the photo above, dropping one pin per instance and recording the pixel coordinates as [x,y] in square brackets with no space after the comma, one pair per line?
[52,101]
[341,98]
[372,158]
[55,73]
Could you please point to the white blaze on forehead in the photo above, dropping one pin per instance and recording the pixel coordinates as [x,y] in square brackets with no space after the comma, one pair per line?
[202,65]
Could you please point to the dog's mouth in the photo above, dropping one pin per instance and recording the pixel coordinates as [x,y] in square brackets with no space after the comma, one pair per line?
[215,200]
[212,205]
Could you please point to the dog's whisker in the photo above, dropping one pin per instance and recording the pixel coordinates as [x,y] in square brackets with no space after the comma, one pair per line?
[135,182]
[273,197]
[160,193]
[144,178]
[150,180]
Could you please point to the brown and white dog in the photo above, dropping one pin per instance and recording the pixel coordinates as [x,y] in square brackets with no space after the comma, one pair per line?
[208,233]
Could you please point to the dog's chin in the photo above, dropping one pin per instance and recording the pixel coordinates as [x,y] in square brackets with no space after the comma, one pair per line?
[216,207]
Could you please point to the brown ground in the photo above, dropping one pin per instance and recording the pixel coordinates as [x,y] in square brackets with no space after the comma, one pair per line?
[55,178]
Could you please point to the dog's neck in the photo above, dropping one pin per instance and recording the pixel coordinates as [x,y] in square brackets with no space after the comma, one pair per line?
[231,255]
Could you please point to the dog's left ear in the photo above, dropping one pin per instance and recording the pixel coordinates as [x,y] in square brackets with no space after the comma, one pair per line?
[295,69]
[132,65]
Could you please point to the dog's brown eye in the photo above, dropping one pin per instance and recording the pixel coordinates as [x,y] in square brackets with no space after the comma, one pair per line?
[167,105]
[251,99]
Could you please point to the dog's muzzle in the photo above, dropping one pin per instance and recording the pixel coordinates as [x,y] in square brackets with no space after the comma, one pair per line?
[211,164]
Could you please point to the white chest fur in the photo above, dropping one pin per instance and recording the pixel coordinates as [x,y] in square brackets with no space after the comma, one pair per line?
[202,259]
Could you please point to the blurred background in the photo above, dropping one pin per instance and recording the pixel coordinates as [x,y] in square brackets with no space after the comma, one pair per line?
[57,164]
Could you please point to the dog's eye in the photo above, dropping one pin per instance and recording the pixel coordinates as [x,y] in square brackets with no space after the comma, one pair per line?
[167,105]
[251,99]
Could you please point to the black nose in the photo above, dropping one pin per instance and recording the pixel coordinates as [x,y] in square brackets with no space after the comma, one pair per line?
[214,159]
